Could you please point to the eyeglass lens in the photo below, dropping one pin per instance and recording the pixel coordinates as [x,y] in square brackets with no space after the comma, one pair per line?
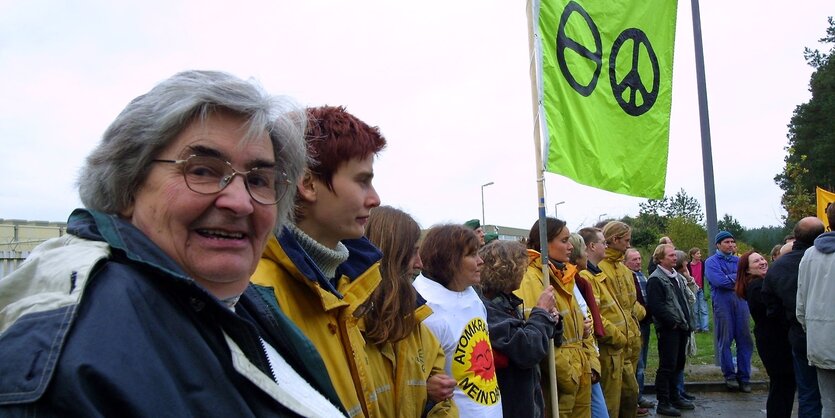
[210,175]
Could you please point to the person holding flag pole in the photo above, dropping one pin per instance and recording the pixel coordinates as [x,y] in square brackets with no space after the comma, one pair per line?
[572,359]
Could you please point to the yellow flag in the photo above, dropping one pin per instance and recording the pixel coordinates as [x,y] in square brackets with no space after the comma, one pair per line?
[825,199]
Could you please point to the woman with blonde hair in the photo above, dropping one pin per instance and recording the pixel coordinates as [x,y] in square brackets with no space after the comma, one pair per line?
[618,237]
[397,343]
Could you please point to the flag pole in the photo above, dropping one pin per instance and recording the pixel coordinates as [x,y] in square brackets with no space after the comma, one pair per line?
[540,189]
[704,119]
[707,151]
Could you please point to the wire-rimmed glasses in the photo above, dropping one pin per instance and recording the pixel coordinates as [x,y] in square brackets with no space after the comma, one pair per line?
[209,175]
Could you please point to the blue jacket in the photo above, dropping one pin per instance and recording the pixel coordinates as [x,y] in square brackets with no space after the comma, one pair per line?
[111,326]
[720,271]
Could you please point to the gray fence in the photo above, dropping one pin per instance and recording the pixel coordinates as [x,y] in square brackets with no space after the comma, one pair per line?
[10,260]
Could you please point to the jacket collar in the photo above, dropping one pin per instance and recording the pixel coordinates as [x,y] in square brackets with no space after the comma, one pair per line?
[562,272]
[727,257]
[614,255]
[122,236]
[362,255]
[661,274]
[507,300]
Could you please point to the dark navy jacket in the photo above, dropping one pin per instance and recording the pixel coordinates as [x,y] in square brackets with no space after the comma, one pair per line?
[519,346]
[141,339]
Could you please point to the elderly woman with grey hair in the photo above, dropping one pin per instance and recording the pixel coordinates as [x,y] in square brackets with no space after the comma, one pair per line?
[144,308]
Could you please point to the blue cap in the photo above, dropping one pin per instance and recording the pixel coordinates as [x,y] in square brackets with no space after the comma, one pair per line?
[722,235]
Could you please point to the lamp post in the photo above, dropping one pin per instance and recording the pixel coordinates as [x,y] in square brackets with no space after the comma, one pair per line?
[556,205]
[600,217]
[482,201]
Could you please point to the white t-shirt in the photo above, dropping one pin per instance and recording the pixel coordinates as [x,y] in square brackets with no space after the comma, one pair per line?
[581,300]
[459,321]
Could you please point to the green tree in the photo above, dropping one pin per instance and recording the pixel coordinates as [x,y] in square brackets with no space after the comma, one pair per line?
[730,224]
[811,146]
[687,234]
[678,217]
[683,206]
[647,227]
[765,237]
[653,207]
[649,223]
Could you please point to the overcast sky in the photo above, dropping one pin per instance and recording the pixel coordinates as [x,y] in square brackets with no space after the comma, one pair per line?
[447,82]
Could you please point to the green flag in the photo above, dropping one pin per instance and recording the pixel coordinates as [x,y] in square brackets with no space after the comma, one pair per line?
[606,91]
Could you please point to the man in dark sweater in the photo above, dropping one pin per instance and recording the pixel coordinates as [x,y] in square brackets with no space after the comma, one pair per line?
[780,296]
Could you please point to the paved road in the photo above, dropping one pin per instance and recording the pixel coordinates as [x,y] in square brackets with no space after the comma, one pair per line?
[728,404]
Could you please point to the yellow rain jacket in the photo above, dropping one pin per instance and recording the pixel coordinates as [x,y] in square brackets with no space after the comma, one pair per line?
[623,288]
[614,319]
[328,314]
[572,356]
[614,341]
[404,367]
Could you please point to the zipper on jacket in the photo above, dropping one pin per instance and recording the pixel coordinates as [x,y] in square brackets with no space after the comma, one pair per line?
[267,355]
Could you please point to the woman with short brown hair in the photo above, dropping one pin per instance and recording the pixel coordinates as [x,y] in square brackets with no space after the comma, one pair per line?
[451,267]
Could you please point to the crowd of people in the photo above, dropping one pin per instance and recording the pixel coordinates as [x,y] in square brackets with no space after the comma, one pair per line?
[178,291]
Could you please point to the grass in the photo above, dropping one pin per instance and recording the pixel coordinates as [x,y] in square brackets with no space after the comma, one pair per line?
[704,356]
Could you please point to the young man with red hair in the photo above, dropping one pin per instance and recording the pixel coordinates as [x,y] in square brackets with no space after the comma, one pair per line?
[321,270]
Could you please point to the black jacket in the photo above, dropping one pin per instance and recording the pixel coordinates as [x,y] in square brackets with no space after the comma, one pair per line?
[780,292]
[771,333]
[524,344]
[666,300]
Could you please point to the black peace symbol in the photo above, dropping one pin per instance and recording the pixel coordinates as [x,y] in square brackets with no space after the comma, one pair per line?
[564,42]
[633,80]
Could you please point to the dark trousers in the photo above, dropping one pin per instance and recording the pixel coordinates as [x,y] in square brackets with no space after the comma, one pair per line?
[671,346]
[642,360]
[781,388]
[776,354]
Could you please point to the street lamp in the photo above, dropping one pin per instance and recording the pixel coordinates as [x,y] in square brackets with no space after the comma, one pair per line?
[556,205]
[600,217]
[482,200]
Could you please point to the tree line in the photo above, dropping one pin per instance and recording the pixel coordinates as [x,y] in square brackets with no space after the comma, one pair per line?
[811,147]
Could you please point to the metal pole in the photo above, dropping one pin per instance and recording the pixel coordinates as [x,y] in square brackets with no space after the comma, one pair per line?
[482,205]
[483,222]
[557,205]
[704,119]
[707,152]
